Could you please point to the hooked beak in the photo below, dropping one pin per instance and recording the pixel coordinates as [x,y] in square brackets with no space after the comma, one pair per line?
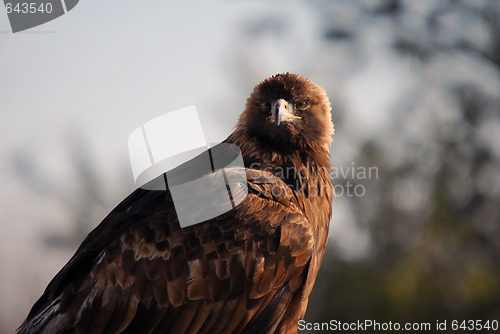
[282,111]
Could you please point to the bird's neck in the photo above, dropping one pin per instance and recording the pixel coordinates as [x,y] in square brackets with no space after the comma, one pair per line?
[301,167]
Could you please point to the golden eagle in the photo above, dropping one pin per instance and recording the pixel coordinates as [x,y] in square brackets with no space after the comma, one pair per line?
[249,270]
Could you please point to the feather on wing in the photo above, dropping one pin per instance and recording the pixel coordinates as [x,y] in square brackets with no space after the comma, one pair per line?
[139,269]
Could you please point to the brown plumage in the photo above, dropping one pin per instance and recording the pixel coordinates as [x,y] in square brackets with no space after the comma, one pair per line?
[249,270]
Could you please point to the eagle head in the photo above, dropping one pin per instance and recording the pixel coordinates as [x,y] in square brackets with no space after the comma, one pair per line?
[288,112]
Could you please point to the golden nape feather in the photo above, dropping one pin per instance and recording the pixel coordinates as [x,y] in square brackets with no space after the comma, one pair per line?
[249,270]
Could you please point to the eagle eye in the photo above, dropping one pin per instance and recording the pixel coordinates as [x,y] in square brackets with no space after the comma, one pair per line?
[302,105]
[265,106]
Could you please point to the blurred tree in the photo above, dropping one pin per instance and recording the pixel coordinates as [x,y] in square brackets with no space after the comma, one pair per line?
[434,213]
